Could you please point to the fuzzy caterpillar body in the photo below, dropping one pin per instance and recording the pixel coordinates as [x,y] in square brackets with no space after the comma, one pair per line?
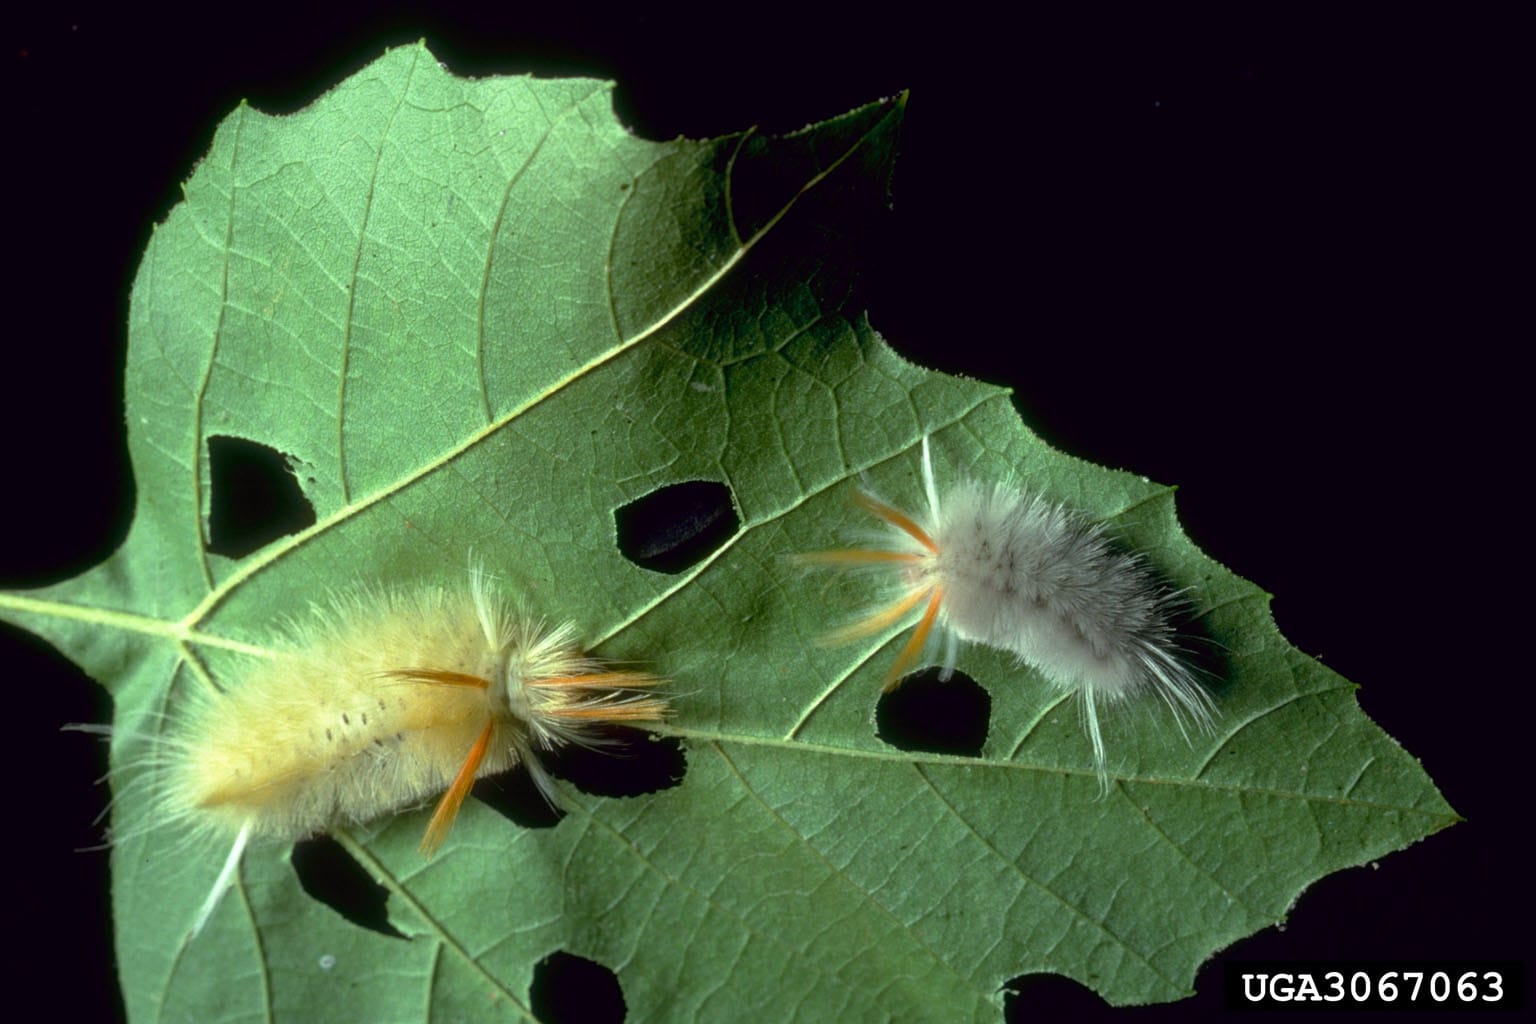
[384,700]
[1023,575]
[323,734]
[1001,566]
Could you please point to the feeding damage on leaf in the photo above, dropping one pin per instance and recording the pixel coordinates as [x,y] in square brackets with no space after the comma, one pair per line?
[480,315]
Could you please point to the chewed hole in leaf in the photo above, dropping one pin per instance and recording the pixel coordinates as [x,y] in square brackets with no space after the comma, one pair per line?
[627,762]
[329,874]
[1049,997]
[255,497]
[939,717]
[567,989]
[678,526]
[514,796]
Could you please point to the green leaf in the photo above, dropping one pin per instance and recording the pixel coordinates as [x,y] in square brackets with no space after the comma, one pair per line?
[480,316]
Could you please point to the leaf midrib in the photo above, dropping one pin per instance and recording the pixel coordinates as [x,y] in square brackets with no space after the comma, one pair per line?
[958,760]
[278,550]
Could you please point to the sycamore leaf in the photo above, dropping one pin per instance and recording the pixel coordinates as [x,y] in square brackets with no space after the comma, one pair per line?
[479,315]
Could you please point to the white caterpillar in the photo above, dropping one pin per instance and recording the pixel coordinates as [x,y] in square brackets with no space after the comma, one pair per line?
[383,701]
[1006,568]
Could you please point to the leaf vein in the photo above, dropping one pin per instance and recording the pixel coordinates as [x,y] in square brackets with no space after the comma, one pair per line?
[387,878]
[369,197]
[1100,926]
[866,896]
[276,551]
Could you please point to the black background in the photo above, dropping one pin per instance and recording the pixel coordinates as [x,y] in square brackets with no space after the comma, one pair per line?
[1260,257]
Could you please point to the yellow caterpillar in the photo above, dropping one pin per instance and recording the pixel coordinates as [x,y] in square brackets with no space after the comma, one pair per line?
[382,702]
